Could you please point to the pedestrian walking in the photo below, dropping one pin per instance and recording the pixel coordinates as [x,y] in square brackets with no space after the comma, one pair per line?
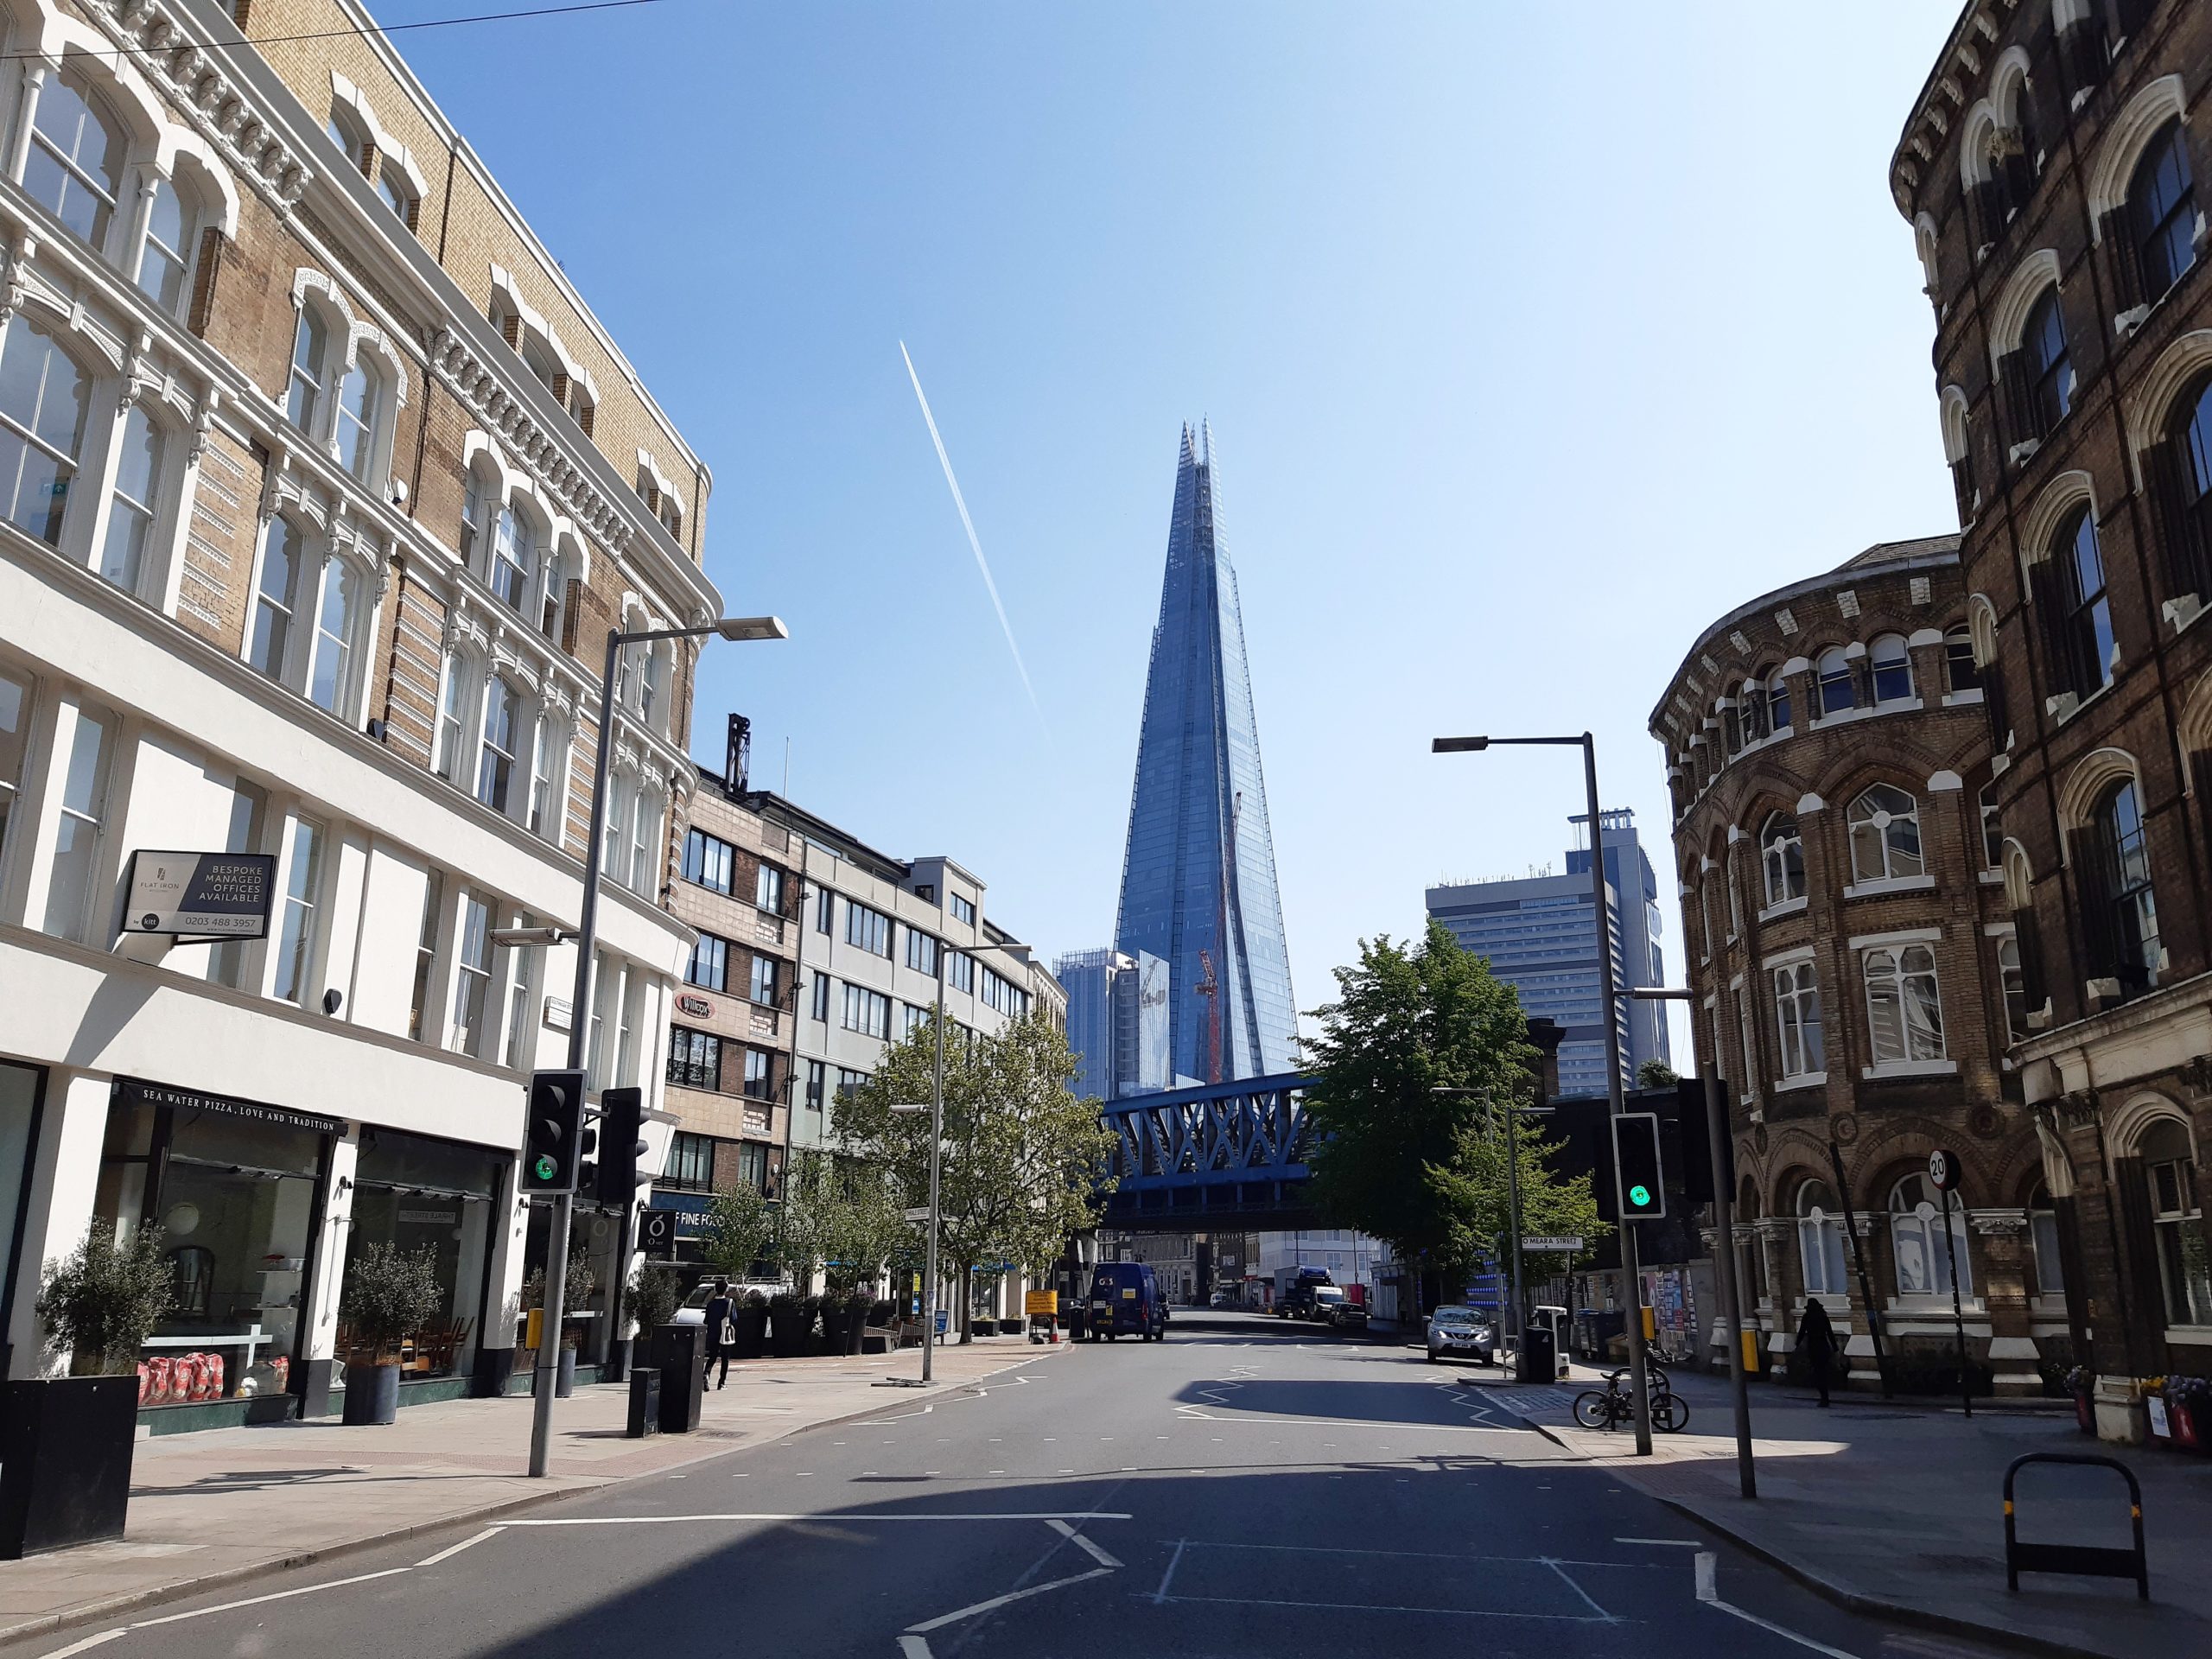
[720,1321]
[1817,1341]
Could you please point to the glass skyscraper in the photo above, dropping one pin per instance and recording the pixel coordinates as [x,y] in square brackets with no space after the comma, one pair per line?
[1198,877]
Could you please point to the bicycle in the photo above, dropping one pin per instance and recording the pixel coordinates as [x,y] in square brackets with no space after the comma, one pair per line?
[1612,1406]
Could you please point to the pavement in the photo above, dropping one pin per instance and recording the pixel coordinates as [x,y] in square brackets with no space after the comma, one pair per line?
[1897,1510]
[1244,1487]
[213,1508]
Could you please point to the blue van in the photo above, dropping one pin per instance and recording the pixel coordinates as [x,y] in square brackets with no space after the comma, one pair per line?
[1125,1301]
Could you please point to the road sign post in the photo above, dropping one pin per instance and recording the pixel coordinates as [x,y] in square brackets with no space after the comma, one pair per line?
[1943,1176]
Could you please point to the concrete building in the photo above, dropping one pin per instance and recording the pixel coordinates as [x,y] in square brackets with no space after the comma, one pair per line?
[2049,169]
[320,477]
[1855,967]
[1117,1022]
[1540,935]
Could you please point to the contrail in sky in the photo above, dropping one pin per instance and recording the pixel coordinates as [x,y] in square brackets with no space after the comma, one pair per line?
[981,563]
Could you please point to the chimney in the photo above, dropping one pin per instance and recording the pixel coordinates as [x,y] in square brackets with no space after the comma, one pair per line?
[741,754]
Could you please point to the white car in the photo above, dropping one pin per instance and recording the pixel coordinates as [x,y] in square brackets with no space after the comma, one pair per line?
[1461,1333]
[694,1311]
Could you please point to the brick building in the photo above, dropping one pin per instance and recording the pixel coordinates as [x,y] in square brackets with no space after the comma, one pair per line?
[318,487]
[2049,169]
[1856,974]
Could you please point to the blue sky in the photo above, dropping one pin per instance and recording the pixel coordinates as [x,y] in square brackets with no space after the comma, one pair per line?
[1534,338]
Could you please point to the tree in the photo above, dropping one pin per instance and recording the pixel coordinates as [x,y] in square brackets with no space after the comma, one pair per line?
[740,1231]
[1408,1020]
[97,1304]
[1478,1196]
[1656,1073]
[1023,1160]
[840,1214]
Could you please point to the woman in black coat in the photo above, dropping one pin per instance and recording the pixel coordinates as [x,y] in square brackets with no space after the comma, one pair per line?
[1817,1341]
[722,1328]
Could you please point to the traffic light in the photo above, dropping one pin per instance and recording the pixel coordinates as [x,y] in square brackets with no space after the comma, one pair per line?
[621,1143]
[1636,1166]
[553,1132]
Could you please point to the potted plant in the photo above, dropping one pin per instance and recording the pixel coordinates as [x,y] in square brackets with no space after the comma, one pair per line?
[857,1307]
[791,1322]
[835,1316]
[655,1295]
[576,1289]
[752,1322]
[2189,1412]
[2080,1383]
[389,1295]
[66,1442]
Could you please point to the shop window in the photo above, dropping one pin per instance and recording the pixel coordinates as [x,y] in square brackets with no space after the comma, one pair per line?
[2042,1237]
[1917,1235]
[80,824]
[1904,1012]
[2177,1223]
[1820,1240]
[1884,824]
[130,509]
[419,1195]
[297,933]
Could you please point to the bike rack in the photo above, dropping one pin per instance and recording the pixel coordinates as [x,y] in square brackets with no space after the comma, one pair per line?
[2087,1560]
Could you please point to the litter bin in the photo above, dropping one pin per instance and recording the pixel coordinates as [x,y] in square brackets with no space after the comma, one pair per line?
[645,1402]
[1539,1357]
[682,1352]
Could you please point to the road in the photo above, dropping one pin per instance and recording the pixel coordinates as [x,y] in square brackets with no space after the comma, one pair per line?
[1246,1488]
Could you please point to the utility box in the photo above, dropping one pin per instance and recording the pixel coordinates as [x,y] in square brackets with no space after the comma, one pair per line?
[682,1352]
[1539,1355]
[645,1402]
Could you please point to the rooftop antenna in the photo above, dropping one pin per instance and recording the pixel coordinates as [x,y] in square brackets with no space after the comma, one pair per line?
[787,766]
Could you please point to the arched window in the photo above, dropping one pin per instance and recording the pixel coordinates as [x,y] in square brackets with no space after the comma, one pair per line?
[495,762]
[552,588]
[310,355]
[1735,724]
[2188,476]
[2121,924]
[1838,685]
[1802,1049]
[74,167]
[1782,856]
[1893,668]
[1820,1240]
[2050,369]
[2014,985]
[277,597]
[1905,1009]
[1960,671]
[614,851]
[2178,1220]
[1884,834]
[2086,610]
[165,260]
[2043,1235]
[514,557]
[453,698]
[1993,829]
[42,399]
[360,396]
[645,840]
[651,670]
[398,195]
[1777,701]
[2162,213]
[330,673]
[1924,1253]
[131,510]
[548,752]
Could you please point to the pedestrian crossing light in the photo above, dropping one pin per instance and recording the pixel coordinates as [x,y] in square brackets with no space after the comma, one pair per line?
[1635,1161]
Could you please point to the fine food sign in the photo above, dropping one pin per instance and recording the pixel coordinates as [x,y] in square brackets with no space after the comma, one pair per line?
[200,895]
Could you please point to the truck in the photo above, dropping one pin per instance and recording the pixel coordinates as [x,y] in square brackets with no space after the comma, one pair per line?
[1295,1288]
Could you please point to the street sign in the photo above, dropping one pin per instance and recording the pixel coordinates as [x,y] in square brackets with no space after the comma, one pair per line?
[201,895]
[657,1232]
[921,1214]
[1041,1304]
[1943,1170]
[1555,1243]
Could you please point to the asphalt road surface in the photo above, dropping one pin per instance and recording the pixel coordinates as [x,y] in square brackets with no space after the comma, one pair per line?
[1246,1488]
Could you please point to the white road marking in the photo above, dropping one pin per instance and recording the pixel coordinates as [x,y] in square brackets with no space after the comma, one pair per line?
[1708,1592]
[955,1616]
[1083,1543]
[89,1642]
[1372,1607]
[1159,1596]
[280,1595]
[825,1515]
[914,1647]
[452,1550]
[1564,1578]
[1666,1543]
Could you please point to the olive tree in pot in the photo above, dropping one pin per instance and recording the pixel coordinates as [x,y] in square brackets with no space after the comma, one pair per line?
[655,1295]
[66,1441]
[390,1294]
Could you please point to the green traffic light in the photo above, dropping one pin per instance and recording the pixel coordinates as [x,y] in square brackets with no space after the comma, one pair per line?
[545,1169]
[1639,1196]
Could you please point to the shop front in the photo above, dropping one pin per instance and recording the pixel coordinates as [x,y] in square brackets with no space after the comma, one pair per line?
[22,1094]
[234,1191]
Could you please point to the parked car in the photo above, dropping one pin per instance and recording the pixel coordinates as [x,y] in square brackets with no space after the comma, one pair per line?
[1221,1298]
[1348,1315]
[694,1311]
[1461,1333]
[1126,1301]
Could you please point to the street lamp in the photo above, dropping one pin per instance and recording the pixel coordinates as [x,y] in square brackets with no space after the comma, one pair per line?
[586,936]
[1629,1264]
[1724,1243]
[935,1108]
[1513,1117]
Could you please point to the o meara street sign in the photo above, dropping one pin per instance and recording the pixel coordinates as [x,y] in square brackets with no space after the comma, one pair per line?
[1558,1243]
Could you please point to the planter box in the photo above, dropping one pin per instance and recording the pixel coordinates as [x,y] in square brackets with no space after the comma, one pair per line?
[752,1324]
[983,1327]
[2085,1413]
[832,1338]
[65,1462]
[372,1395]
[790,1331]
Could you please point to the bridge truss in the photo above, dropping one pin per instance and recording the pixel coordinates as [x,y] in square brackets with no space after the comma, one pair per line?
[1230,1152]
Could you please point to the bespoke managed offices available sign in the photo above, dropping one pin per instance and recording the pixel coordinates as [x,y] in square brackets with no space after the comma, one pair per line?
[201,895]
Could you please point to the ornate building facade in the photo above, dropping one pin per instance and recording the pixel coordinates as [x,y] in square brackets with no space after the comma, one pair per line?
[2052,171]
[1856,970]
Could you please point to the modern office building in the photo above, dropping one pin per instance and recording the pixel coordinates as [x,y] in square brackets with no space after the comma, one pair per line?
[1198,877]
[323,486]
[1540,934]
[1117,1022]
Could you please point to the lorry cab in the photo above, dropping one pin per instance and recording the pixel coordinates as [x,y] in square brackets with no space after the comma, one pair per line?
[1126,1301]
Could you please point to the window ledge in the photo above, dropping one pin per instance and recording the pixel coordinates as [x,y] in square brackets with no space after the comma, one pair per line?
[1897,706]
[1990,878]
[2181,611]
[1911,1069]
[1890,884]
[1785,907]
[2195,1335]
[1802,1080]
[2067,706]
[1963,699]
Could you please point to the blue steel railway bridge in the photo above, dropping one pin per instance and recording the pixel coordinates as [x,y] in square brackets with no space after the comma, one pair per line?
[1227,1155]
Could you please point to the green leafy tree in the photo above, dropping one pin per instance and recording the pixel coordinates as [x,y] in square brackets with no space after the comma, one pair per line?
[97,1304]
[389,1295]
[1410,1020]
[1024,1159]
[1656,1073]
[1478,1196]
[739,1231]
[840,1216]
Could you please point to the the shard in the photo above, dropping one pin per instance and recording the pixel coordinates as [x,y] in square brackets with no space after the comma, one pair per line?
[1198,877]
